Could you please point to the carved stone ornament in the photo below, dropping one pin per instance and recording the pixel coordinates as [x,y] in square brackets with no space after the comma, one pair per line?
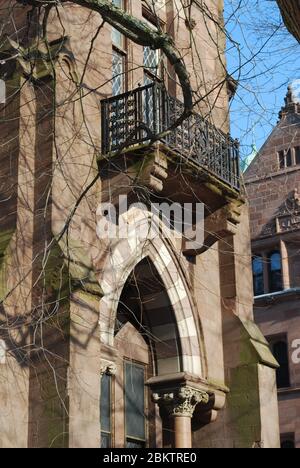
[288,217]
[182,401]
[108,368]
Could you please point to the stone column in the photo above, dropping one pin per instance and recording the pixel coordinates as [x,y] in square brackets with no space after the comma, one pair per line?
[180,404]
[285,266]
[266,273]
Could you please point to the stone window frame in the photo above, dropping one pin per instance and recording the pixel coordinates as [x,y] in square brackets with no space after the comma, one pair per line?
[121,50]
[288,157]
[152,21]
[266,255]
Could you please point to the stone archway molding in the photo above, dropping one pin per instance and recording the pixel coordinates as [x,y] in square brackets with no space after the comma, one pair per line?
[120,259]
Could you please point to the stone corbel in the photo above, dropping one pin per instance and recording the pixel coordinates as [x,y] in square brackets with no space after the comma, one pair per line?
[217,226]
[107,368]
[180,401]
[155,171]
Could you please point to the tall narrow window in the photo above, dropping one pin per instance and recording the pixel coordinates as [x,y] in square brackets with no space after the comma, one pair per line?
[258,276]
[135,423]
[280,351]
[289,159]
[151,65]
[275,272]
[118,70]
[281,157]
[105,411]
[297,154]
[118,58]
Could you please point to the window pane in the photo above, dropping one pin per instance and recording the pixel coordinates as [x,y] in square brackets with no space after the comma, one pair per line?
[281,159]
[280,351]
[258,276]
[275,272]
[118,73]
[105,404]
[135,401]
[289,158]
[151,60]
[117,37]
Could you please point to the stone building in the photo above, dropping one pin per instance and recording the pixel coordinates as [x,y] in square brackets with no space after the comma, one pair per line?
[273,185]
[123,340]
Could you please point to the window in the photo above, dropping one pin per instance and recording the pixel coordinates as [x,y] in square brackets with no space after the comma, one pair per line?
[285,158]
[281,156]
[151,64]
[289,157]
[118,57]
[258,276]
[151,57]
[135,423]
[279,348]
[118,72]
[275,272]
[289,161]
[117,37]
[105,411]
[267,273]
[288,441]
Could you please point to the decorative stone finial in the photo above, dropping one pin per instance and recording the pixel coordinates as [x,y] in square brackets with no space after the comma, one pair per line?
[182,401]
[292,100]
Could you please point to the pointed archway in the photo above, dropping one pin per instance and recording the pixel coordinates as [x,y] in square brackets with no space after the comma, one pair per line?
[144,283]
[116,266]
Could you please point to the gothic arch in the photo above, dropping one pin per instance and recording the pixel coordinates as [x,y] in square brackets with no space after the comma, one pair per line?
[121,258]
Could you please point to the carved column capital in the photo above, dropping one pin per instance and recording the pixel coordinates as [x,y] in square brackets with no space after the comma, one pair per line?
[182,401]
[107,367]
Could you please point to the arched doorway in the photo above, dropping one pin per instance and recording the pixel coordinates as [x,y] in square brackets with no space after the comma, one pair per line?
[150,328]
[147,341]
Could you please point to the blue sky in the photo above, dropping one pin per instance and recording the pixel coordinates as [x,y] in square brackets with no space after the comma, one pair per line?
[265,60]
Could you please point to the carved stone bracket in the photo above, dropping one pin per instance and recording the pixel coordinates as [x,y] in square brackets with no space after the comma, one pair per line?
[107,367]
[181,401]
[155,171]
[219,225]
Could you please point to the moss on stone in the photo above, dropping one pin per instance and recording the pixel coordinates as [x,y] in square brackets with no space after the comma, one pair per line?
[244,404]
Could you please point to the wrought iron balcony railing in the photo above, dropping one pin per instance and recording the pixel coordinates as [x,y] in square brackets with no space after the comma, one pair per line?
[135,117]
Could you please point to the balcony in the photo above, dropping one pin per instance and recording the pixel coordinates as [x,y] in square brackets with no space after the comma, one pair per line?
[136,118]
